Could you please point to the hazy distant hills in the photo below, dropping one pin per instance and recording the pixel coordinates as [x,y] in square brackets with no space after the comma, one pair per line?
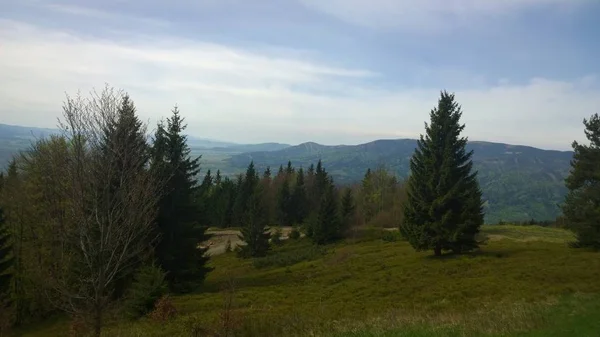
[518,182]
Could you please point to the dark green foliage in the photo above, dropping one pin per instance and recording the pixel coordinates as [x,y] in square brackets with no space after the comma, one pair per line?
[276,236]
[294,234]
[291,257]
[582,204]
[126,152]
[254,230]
[299,199]
[149,286]
[285,204]
[348,208]
[327,227]
[179,212]
[6,259]
[444,207]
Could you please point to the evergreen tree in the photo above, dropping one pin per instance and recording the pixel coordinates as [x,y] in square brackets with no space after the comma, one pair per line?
[280,171]
[327,226]
[267,173]
[205,201]
[289,169]
[444,206]
[348,208]
[254,230]
[178,252]
[582,204]
[285,203]
[125,152]
[6,259]
[299,199]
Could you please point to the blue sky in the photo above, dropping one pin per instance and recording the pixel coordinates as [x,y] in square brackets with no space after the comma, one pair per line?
[335,71]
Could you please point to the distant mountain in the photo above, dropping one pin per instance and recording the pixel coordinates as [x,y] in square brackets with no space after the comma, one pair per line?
[518,182]
[14,138]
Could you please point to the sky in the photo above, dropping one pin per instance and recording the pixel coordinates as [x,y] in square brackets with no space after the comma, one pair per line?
[328,71]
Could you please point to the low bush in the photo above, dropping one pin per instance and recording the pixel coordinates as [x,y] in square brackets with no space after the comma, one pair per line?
[164,310]
[288,258]
[148,287]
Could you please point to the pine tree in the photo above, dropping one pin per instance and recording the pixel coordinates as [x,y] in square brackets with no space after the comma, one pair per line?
[299,199]
[254,230]
[285,203]
[582,204]
[126,152]
[327,227]
[6,259]
[444,206]
[348,209]
[289,169]
[178,252]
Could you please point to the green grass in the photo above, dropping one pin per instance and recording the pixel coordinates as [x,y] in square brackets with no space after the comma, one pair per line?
[524,282]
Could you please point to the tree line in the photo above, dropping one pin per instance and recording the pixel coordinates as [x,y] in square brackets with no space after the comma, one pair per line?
[100,217]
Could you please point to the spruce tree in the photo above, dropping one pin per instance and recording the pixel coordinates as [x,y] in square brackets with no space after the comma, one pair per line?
[299,199]
[444,210]
[285,203]
[180,232]
[348,209]
[327,226]
[582,203]
[254,230]
[6,259]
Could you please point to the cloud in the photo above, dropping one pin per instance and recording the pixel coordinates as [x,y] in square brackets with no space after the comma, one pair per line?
[241,95]
[430,15]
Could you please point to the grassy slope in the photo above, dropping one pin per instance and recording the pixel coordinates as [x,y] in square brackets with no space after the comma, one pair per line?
[526,282]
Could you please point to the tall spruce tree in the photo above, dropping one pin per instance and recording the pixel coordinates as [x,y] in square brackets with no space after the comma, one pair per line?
[299,199]
[444,210]
[348,209]
[6,259]
[178,252]
[125,150]
[327,225]
[582,204]
[285,203]
[254,230]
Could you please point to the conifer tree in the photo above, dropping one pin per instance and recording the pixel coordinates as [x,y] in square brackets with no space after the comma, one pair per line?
[6,259]
[285,203]
[327,225]
[582,203]
[178,252]
[348,208]
[125,149]
[254,225]
[444,206]
[299,199]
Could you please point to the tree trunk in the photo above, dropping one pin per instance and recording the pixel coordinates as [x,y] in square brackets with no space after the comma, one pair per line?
[97,322]
[438,250]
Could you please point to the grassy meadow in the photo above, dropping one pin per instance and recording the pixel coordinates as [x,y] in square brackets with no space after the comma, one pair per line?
[525,281]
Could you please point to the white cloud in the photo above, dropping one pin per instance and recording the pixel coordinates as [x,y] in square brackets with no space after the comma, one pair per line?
[237,95]
[429,15]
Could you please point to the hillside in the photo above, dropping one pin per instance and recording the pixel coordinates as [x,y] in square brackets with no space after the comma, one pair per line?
[377,285]
[519,182]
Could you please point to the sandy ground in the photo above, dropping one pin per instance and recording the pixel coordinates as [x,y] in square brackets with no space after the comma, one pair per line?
[218,242]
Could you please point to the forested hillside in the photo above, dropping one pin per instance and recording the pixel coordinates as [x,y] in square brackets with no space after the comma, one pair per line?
[519,182]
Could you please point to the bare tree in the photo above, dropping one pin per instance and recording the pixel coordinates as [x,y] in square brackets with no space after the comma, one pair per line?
[111,210]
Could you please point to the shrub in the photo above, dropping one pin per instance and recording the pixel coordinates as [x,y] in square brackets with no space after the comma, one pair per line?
[288,258]
[391,236]
[164,310]
[294,234]
[276,236]
[148,287]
